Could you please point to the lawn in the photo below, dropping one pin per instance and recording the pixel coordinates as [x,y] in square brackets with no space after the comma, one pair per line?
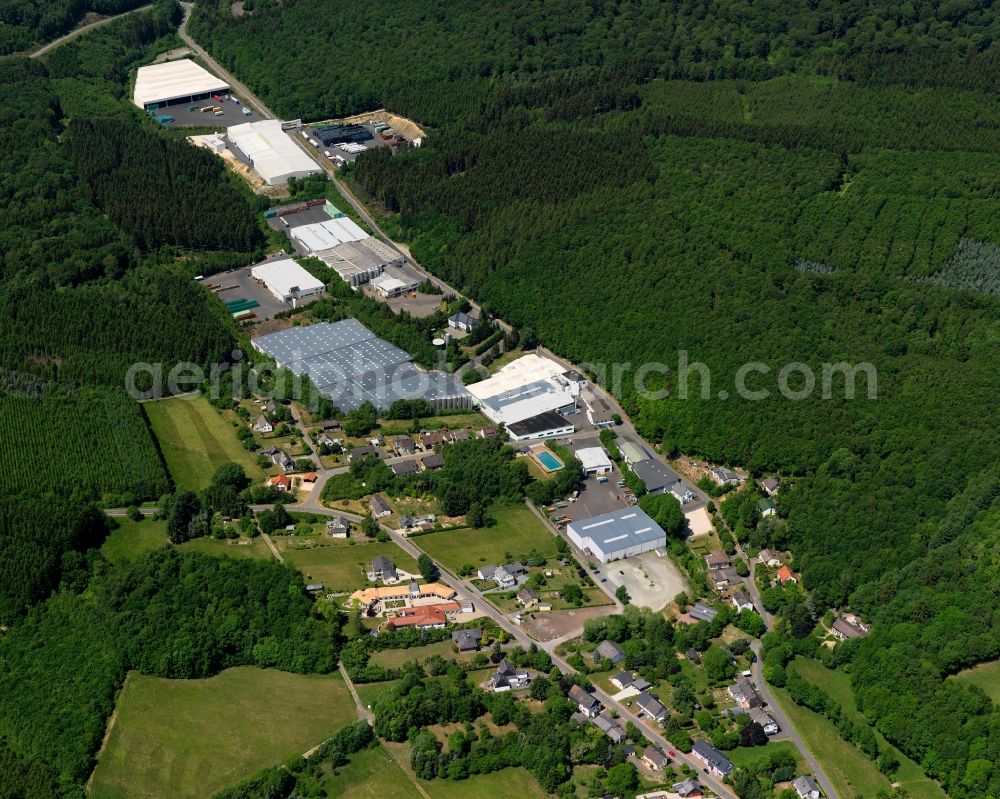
[986,676]
[369,692]
[191,738]
[132,539]
[196,440]
[744,756]
[340,565]
[394,658]
[249,548]
[837,685]
[517,531]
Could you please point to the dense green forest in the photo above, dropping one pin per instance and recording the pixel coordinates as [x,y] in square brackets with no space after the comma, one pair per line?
[811,183]
[24,23]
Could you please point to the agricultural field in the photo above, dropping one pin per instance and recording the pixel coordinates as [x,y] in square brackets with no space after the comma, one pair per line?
[837,685]
[196,440]
[517,531]
[986,676]
[340,565]
[198,736]
[132,539]
[95,441]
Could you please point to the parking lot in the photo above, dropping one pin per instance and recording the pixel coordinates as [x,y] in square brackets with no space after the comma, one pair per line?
[232,114]
[333,149]
[238,283]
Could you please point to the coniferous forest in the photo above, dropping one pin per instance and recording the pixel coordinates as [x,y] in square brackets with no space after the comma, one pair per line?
[775,183]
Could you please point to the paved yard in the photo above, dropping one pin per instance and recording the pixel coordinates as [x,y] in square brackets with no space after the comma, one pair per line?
[652,581]
[238,284]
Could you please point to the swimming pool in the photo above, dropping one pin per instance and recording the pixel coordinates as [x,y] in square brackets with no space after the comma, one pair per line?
[549,461]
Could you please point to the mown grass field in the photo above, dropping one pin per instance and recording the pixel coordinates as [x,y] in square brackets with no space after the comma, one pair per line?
[837,685]
[397,657]
[132,539]
[196,440]
[232,548]
[340,565]
[986,676]
[517,531]
[371,774]
[188,739]
[744,756]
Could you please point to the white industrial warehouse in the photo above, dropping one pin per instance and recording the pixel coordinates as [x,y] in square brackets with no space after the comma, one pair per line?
[618,534]
[286,280]
[175,82]
[531,396]
[271,151]
[326,235]
[594,460]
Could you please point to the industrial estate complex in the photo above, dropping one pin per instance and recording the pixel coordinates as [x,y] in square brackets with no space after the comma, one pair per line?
[351,365]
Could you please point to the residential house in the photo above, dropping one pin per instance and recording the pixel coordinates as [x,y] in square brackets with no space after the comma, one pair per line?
[610,727]
[338,527]
[382,568]
[741,601]
[527,597]
[806,787]
[786,575]
[432,460]
[655,758]
[432,439]
[703,612]
[723,578]
[376,440]
[309,477]
[848,627]
[405,445]
[608,650]
[682,493]
[280,481]
[693,655]
[424,617]
[624,679]
[588,704]
[769,557]
[717,560]
[270,406]
[467,640]
[403,468]
[503,578]
[367,451]
[263,425]
[487,432]
[459,435]
[769,725]
[724,477]
[689,789]
[283,460]
[326,440]
[650,706]
[463,321]
[770,486]
[766,508]
[508,678]
[379,507]
[717,763]
[486,573]
[332,424]
[745,694]
[314,588]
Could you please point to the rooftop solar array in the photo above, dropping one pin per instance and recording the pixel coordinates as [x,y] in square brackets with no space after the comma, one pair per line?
[351,365]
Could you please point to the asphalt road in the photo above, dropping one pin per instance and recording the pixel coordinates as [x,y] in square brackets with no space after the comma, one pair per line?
[82,30]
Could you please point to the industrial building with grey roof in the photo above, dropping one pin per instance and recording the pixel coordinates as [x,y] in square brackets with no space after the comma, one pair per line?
[619,534]
[349,364]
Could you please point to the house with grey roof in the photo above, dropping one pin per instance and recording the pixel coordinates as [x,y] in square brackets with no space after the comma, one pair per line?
[467,640]
[770,486]
[507,677]
[588,704]
[761,717]
[338,527]
[263,425]
[703,612]
[608,650]
[717,763]
[403,468]
[741,601]
[806,787]
[724,477]
[382,568]
[745,694]
[650,706]
[610,727]
[688,788]
[463,321]
[655,758]
[379,507]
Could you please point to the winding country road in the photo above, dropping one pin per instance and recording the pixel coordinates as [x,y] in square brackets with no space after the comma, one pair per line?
[84,29]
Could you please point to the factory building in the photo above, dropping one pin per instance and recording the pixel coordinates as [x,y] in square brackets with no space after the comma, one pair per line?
[358,262]
[286,280]
[394,284]
[530,387]
[173,83]
[349,364]
[321,236]
[271,151]
[619,534]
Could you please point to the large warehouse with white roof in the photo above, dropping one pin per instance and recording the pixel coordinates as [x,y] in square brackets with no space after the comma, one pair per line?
[530,396]
[175,82]
[271,151]
[619,534]
[287,280]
